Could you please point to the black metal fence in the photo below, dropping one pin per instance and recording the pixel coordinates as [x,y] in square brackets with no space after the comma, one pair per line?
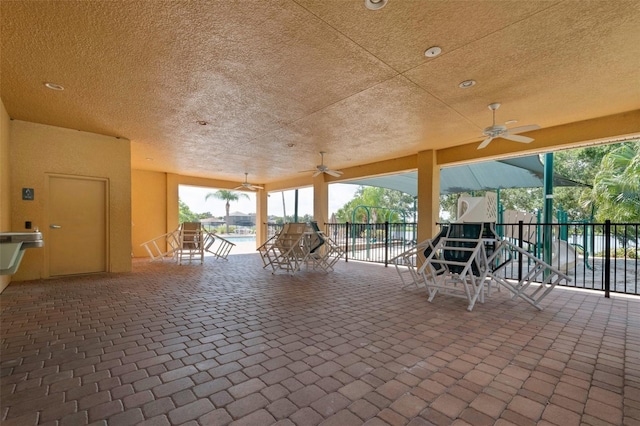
[597,256]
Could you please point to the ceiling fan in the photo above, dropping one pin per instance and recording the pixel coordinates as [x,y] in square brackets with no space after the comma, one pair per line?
[321,168]
[247,185]
[501,131]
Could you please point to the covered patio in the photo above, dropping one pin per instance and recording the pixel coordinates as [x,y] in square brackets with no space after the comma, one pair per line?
[130,100]
[231,343]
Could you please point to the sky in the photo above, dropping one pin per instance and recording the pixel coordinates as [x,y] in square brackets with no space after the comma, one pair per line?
[339,195]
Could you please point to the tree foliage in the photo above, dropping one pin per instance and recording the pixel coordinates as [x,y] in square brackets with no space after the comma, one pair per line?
[580,202]
[186,215]
[382,204]
[616,187]
[290,219]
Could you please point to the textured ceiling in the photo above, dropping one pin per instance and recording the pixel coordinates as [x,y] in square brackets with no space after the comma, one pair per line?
[320,75]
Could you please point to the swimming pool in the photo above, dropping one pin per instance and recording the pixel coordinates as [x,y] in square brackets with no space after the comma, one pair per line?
[239,238]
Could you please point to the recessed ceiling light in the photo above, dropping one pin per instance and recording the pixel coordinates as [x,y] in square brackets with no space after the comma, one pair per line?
[511,122]
[374,4]
[432,52]
[53,86]
[149,159]
[202,122]
[466,84]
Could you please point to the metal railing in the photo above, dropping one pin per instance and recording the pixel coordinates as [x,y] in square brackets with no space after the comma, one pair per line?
[378,242]
[597,256]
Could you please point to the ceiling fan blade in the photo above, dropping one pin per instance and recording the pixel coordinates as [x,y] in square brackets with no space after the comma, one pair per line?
[334,173]
[316,173]
[523,129]
[256,187]
[517,138]
[238,187]
[485,143]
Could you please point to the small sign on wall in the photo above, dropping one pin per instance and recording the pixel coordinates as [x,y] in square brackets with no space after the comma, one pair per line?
[27,194]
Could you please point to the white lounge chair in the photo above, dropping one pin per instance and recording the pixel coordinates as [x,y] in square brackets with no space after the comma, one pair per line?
[288,251]
[163,247]
[457,265]
[216,245]
[323,251]
[265,248]
[408,263]
[538,280]
[190,242]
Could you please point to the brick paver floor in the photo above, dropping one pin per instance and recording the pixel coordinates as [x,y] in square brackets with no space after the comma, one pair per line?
[230,343]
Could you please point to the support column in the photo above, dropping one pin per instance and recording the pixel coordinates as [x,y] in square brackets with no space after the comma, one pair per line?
[547,233]
[428,194]
[320,200]
[173,215]
[261,217]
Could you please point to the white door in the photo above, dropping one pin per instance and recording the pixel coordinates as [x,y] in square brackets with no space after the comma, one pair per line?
[77,242]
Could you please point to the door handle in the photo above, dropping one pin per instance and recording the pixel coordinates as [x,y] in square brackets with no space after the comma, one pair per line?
[55,226]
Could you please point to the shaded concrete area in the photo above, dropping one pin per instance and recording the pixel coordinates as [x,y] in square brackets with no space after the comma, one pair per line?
[230,343]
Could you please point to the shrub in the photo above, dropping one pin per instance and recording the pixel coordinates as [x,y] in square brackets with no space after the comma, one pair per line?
[631,253]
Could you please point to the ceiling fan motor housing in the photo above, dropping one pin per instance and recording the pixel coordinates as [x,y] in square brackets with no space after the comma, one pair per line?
[494,131]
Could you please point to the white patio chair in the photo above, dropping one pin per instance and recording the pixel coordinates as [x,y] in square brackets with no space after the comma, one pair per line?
[457,265]
[288,251]
[163,247]
[190,242]
[216,245]
[323,252]
[265,249]
[537,282]
[408,262]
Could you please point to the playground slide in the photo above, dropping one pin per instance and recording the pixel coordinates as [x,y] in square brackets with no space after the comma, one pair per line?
[564,255]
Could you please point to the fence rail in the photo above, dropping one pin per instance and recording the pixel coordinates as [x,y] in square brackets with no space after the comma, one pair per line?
[597,256]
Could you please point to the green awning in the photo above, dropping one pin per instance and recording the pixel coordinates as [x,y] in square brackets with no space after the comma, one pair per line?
[521,172]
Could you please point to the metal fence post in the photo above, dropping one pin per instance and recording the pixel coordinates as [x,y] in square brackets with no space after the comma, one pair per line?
[386,244]
[346,242]
[520,245]
[607,257]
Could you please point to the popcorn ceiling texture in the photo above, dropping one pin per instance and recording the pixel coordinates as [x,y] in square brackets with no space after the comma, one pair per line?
[323,75]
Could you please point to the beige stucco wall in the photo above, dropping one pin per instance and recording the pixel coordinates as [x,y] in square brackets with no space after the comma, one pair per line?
[148,208]
[36,150]
[5,167]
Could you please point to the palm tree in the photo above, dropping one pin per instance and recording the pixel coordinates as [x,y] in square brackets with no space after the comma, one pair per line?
[616,188]
[227,196]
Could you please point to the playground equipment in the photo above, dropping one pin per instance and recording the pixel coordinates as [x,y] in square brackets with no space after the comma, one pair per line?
[485,209]
[563,254]
[478,209]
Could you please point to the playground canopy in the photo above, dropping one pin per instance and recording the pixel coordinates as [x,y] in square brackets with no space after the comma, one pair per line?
[521,172]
